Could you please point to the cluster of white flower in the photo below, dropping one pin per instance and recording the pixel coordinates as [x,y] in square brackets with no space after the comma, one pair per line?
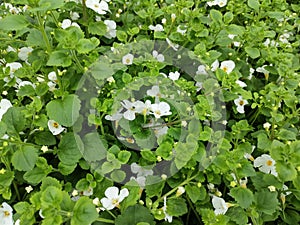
[227,66]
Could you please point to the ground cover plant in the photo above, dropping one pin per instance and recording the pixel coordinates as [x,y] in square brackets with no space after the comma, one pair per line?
[149,112]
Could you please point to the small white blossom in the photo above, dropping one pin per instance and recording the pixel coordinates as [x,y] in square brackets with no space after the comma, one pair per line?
[127,59]
[265,164]
[240,103]
[55,127]
[29,189]
[157,28]
[267,125]
[220,3]
[180,191]
[52,76]
[160,109]
[117,116]
[6,214]
[4,106]
[159,57]
[227,66]
[241,83]
[262,70]
[96,201]
[219,205]
[44,149]
[172,45]
[181,29]
[167,216]
[66,23]
[131,107]
[201,70]
[154,92]
[24,83]
[235,43]
[174,75]
[88,192]
[272,188]
[99,7]
[14,66]
[113,197]
[74,15]
[24,52]
[251,72]
[111,31]
[215,65]
[163,20]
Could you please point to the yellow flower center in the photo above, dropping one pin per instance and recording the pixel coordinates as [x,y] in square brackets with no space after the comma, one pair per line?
[127,60]
[269,163]
[6,213]
[241,102]
[225,69]
[55,125]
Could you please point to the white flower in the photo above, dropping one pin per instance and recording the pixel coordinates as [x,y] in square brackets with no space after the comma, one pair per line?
[68,23]
[96,201]
[117,116]
[52,76]
[219,205]
[201,70]
[24,52]
[160,109]
[113,197]
[51,85]
[163,20]
[140,180]
[181,29]
[241,83]
[220,3]
[127,59]
[267,125]
[18,221]
[74,15]
[6,214]
[284,193]
[14,66]
[215,65]
[157,28]
[240,103]
[140,171]
[24,83]
[154,92]
[99,7]
[44,149]
[159,57]
[111,31]
[131,109]
[4,106]
[265,164]
[143,108]
[199,85]
[167,216]
[29,189]
[235,43]
[227,66]
[88,192]
[173,16]
[262,70]
[180,191]
[269,42]
[272,188]
[174,75]
[248,155]
[251,71]
[54,127]
[172,45]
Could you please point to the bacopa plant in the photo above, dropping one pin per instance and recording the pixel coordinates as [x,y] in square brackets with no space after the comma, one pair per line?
[149,112]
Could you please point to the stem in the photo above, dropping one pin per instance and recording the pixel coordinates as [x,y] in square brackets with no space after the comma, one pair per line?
[73,53]
[105,220]
[195,212]
[19,142]
[42,29]
[113,215]
[85,16]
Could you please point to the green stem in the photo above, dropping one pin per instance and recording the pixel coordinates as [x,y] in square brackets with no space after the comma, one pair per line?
[195,212]
[113,215]
[19,142]
[73,53]
[42,29]
[105,220]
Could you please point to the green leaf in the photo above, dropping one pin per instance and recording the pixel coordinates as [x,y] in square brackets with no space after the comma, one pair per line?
[38,173]
[286,171]
[25,158]
[285,134]
[14,120]
[253,4]
[94,149]
[135,214]
[84,212]
[193,192]
[148,155]
[13,22]
[50,4]
[216,16]
[51,197]
[118,176]
[124,156]
[35,38]
[97,28]
[101,70]
[59,58]
[87,45]
[45,138]
[176,207]
[263,141]
[266,201]
[122,36]
[243,196]
[242,217]
[184,152]
[70,148]
[252,52]
[64,111]
[3,128]
[50,181]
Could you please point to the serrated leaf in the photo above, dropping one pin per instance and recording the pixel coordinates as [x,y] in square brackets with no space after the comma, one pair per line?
[14,120]
[135,214]
[25,158]
[254,4]
[97,28]
[87,45]
[286,171]
[94,149]
[51,196]
[216,16]
[243,196]
[13,22]
[84,212]
[266,201]
[70,148]
[176,207]
[59,58]
[64,111]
